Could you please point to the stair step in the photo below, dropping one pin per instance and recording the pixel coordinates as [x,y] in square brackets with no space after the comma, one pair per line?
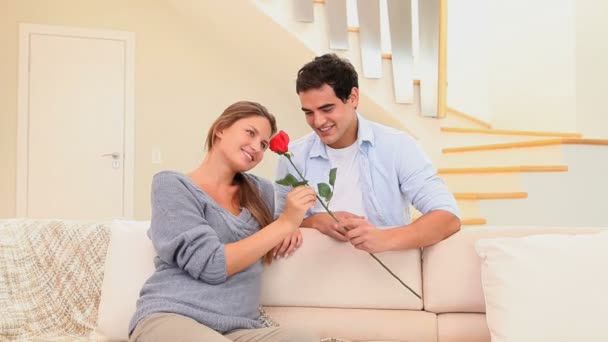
[524,144]
[536,155]
[471,221]
[502,169]
[585,141]
[510,132]
[490,195]
[448,139]
[518,144]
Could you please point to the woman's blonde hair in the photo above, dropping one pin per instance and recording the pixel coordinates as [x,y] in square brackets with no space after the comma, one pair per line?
[249,194]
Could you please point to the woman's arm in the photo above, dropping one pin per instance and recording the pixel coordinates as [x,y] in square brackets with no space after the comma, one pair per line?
[181,236]
[241,254]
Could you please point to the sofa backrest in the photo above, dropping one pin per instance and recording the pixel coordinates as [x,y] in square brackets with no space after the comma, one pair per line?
[328,273]
[322,273]
[452,269]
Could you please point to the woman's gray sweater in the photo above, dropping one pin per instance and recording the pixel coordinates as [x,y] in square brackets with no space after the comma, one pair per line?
[189,230]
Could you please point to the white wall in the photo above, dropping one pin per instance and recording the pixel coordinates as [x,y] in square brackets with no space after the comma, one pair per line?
[186,73]
[193,58]
[575,198]
[532,64]
[468,65]
[513,62]
[592,67]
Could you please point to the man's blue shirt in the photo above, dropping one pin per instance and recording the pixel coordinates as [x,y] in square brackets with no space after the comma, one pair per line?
[395,173]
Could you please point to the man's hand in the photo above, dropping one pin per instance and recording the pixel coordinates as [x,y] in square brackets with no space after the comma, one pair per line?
[289,245]
[365,236]
[324,223]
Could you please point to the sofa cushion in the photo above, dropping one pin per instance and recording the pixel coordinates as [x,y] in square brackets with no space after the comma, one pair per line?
[462,327]
[451,277]
[129,263]
[360,324]
[328,273]
[546,287]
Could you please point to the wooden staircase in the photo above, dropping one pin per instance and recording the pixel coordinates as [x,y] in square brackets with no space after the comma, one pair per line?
[480,163]
[501,178]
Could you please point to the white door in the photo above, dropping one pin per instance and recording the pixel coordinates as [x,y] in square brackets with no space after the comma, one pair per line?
[75,152]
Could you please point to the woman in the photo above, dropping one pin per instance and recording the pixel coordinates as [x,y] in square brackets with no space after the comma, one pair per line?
[211,228]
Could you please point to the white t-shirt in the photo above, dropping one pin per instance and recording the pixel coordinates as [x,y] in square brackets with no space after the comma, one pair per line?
[347,190]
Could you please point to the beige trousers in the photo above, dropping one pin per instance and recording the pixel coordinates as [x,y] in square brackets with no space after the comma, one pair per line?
[160,327]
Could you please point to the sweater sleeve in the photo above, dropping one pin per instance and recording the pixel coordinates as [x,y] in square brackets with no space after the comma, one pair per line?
[181,235]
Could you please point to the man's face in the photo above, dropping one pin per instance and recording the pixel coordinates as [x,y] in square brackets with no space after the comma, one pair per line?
[334,121]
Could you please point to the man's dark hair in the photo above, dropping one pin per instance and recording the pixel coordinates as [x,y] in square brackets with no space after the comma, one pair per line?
[337,72]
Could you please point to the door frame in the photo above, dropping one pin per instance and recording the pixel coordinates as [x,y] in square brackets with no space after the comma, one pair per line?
[22,172]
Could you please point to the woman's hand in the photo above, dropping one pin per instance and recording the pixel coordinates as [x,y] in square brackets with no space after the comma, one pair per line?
[289,245]
[298,201]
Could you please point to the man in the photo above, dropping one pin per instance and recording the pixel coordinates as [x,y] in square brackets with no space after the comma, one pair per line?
[380,170]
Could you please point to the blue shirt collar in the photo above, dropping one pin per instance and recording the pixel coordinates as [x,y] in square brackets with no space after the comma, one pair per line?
[365,134]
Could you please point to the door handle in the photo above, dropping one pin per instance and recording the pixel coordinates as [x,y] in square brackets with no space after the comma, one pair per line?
[114,155]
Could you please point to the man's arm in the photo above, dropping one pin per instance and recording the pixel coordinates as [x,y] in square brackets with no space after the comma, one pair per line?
[429,194]
[419,182]
[425,231]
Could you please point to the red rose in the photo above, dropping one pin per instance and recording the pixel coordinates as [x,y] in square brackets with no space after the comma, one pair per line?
[280,143]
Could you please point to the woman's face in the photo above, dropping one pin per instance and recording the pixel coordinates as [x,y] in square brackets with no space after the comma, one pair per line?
[243,144]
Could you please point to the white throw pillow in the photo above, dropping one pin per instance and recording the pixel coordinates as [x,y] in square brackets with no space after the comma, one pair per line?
[546,287]
[129,263]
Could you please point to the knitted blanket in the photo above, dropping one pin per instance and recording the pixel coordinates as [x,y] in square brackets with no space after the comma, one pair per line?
[51,274]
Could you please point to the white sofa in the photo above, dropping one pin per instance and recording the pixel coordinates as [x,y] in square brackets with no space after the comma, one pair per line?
[337,291]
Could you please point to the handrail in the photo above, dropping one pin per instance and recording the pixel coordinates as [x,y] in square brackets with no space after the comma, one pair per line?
[502,169]
[442,82]
[510,132]
[530,143]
